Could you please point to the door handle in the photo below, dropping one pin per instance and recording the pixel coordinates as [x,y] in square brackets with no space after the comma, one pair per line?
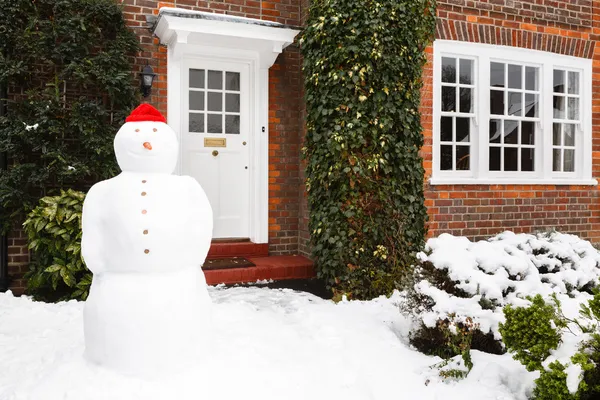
[215,153]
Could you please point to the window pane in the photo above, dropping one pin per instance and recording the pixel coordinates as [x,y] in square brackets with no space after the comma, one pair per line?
[569,134]
[556,130]
[511,159]
[465,100]
[511,132]
[569,162]
[446,129]
[559,107]
[215,80]
[494,158]
[515,75]
[448,98]
[196,100]
[531,105]
[446,158]
[556,160]
[215,101]
[196,123]
[496,102]
[527,132]
[496,74]
[232,80]
[573,108]
[232,102]
[214,123]
[495,130]
[466,72]
[232,124]
[573,82]
[197,78]
[448,70]
[531,78]
[463,127]
[527,161]
[559,81]
[515,103]
[462,158]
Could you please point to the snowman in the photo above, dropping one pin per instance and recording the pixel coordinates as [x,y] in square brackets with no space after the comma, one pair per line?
[146,234]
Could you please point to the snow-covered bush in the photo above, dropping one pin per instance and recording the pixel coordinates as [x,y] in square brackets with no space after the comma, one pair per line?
[459,281]
[566,351]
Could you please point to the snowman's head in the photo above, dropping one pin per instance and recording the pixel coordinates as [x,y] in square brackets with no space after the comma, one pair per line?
[145,143]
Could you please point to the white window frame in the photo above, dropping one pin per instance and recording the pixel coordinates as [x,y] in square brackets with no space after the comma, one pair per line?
[479,173]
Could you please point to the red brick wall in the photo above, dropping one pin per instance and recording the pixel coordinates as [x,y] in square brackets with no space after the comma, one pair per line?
[565,27]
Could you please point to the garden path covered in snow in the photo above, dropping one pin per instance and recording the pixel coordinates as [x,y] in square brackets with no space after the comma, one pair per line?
[267,344]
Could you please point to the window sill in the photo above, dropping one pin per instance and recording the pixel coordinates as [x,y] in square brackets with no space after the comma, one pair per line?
[471,181]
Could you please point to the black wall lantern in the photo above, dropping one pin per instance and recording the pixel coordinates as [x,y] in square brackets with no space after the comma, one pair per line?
[146,77]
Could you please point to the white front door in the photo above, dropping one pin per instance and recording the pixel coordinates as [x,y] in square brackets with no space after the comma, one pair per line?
[215,140]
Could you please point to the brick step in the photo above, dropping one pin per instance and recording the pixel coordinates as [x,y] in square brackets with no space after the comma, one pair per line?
[238,249]
[274,267]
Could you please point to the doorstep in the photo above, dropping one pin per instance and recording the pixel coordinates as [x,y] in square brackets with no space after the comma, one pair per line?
[246,249]
[271,267]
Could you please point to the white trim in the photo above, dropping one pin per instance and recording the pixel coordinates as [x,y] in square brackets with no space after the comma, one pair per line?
[479,173]
[229,41]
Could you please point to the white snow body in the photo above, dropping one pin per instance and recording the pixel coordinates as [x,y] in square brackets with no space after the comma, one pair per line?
[146,234]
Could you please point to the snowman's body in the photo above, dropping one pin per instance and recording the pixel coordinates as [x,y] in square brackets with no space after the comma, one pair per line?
[146,234]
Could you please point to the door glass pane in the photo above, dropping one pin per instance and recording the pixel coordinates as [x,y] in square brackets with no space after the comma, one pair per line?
[559,81]
[232,102]
[569,162]
[232,81]
[515,75]
[531,78]
[197,78]
[465,100]
[446,158]
[573,108]
[462,158]
[569,133]
[448,70]
[462,129]
[527,132]
[527,160]
[573,82]
[466,72]
[448,98]
[214,123]
[497,75]
[215,80]
[446,129]
[511,132]
[511,159]
[232,124]
[215,101]
[196,123]
[196,100]
[494,158]
[515,103]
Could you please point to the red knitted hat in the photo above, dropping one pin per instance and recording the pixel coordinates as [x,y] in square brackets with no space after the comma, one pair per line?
[145,112]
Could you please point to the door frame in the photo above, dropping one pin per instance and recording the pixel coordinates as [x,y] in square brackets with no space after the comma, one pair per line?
[258,136]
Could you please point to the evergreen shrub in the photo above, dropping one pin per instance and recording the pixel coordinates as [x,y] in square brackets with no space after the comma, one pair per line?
[67,67]
[363,65]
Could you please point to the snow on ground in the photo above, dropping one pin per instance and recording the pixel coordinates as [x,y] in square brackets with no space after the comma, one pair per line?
[268,344]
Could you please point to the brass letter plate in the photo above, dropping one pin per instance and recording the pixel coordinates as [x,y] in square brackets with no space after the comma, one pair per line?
[215,142]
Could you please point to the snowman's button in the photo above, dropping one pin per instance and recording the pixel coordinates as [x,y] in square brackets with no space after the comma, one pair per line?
[144,181]
[146,251]
[154,130]
[145,231]
[144,211]
[143,193]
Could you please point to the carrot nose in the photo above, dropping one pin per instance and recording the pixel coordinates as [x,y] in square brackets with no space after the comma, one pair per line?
[148,145]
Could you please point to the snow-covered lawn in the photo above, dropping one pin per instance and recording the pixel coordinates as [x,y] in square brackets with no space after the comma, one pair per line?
[268,344]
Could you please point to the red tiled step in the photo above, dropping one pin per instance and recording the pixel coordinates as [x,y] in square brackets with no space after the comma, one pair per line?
[274,267]
[238,249]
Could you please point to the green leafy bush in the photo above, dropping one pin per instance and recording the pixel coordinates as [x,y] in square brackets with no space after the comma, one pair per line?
[363,62]
[57,271]
[67,64]
[533,332]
